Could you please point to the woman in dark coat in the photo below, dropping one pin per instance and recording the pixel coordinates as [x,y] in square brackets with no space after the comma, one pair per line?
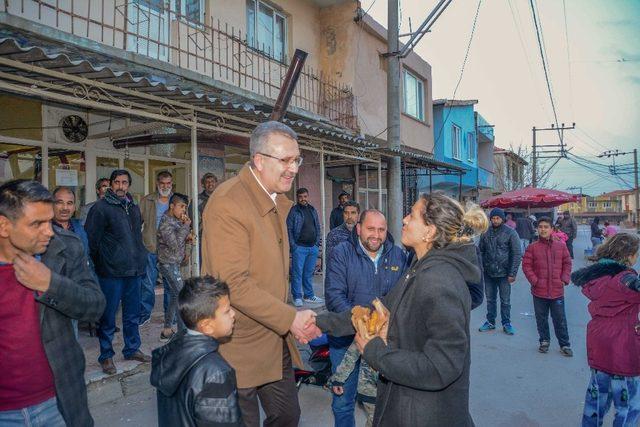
[424,357]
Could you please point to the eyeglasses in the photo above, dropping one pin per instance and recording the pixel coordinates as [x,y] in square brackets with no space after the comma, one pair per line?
[295,161]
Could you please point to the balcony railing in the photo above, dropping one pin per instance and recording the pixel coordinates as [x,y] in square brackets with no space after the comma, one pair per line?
[213,49]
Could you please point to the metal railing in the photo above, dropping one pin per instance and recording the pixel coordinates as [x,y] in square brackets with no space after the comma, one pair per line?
[214,49]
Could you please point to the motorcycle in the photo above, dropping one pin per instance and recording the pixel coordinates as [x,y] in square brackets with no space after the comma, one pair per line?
[319,362]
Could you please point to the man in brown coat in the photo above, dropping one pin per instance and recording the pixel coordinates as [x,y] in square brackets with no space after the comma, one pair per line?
[245,244]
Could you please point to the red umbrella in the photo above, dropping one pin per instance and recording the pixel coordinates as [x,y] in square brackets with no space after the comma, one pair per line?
[529,197]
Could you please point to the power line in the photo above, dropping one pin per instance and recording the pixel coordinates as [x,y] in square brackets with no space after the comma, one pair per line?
[464,63]
[566,35]
[544,64]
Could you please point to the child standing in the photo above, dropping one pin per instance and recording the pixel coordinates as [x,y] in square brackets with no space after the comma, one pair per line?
[196,386]
[173,233]
[547,266]
[613,334]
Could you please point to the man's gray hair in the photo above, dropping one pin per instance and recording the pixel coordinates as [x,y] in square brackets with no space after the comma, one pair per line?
[260,135]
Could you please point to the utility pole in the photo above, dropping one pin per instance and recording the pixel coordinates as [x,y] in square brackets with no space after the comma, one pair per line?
[394,172]
[614,171]
[549,151]
[394,55]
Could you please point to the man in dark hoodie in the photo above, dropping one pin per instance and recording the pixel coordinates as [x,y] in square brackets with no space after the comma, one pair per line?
[501,255]
[196,386]
[114,229]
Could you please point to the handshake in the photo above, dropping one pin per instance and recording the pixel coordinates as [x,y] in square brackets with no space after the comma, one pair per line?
[304,327]
[366,322]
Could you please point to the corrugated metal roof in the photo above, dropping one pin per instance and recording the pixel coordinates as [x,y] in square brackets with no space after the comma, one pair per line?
[93,66]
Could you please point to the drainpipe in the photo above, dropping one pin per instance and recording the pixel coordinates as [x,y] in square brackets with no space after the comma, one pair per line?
[288,85]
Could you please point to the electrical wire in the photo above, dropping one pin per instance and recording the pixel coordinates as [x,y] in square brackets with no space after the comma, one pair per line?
[566,35]
[536,19]
[464,63]
[602,175]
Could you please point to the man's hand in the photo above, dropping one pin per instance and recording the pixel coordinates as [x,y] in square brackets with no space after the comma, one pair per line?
[304,327]
[31,273]
[511,279]
[338,390]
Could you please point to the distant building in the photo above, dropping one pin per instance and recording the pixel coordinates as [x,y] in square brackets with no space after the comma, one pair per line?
[509,170]
[607,207]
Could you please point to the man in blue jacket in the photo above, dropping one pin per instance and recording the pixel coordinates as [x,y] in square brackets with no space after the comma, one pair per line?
[359,270]
[303,227]
[114,228]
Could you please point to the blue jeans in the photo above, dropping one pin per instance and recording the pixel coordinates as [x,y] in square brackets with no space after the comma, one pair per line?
[303,264]
[45,414]
[147,289]
[604,389]
[343,406]
[127,291]
[493,285]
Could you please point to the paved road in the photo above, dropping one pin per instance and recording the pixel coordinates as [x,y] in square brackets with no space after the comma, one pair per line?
[511,383]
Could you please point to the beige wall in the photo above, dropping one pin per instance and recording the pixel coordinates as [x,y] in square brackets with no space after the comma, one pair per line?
[351,53]
[303,24]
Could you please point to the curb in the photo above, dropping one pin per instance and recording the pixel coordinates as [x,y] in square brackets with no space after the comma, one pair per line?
[109,388]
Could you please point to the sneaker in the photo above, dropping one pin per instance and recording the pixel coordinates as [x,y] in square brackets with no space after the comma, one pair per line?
[298,302]
[508,329]
[487,326]
[139,356]
[566,351]
[108,367]
[544,347]
[314,300]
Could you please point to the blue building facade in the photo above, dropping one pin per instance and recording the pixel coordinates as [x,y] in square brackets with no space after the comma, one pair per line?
[463,138]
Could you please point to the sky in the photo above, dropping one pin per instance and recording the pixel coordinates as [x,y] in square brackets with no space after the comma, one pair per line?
[593,58]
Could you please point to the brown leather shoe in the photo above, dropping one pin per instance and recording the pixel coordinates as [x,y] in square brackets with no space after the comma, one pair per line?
[140,357]
[108,367]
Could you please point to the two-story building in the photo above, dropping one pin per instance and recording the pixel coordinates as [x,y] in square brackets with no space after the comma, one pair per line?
[462,137]
[148,85]
[508,171]
[606,206]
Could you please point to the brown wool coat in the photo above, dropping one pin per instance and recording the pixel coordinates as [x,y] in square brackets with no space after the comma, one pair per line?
[245,244]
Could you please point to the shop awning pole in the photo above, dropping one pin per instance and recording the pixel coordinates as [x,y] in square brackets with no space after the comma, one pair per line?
[324,220]
[194,196]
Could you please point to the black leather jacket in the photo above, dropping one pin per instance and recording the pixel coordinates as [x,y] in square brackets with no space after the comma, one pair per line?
[196,386]
[501,251]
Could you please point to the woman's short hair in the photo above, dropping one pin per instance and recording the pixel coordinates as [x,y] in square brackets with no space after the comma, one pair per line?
[453,224]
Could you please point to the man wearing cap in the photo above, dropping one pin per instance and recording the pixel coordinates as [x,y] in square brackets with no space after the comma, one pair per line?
[501,255]
[569,227]
[336,217]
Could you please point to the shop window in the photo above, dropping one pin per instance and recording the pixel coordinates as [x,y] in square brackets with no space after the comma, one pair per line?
[20,162]
[136,169]
[67,168]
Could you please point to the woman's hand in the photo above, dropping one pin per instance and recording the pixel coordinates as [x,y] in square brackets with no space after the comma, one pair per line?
[361,342]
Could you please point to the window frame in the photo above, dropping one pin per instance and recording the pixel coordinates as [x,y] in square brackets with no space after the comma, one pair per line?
[255,44]
[471,152]
[420,95]
[456,148]
[182,13]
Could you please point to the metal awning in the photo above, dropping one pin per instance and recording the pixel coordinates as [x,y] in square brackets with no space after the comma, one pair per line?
[32,66]
[418,159]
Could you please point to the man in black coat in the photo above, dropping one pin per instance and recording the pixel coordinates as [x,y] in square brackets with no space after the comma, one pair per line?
[336,217]
[43,364]
[114,229]
[501,252]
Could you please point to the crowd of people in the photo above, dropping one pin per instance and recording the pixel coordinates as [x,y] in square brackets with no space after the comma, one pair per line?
[231,334]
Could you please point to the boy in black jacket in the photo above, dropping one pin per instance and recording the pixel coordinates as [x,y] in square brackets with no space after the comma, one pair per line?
[196,386]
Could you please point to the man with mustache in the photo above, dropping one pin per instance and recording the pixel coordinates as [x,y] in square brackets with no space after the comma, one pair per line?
[45,283]
[115,244]
[152,207]
[342,233]
[101,188]
[245,244]
[359,270]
